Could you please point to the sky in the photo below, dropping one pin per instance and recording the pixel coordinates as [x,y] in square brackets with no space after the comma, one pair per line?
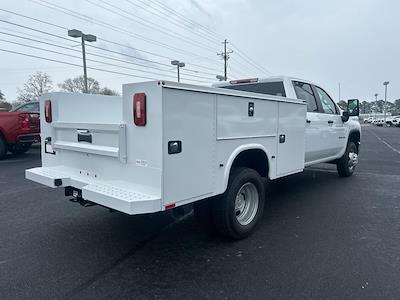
[355,43]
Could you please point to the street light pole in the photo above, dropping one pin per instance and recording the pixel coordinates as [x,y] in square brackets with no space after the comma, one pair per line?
[178,65]
[84,63]
[385,84]
[84,37]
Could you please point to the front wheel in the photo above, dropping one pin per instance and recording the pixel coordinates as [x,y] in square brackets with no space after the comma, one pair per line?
[237,212]
[348,162]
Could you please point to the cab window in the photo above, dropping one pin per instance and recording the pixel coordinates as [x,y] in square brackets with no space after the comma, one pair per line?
[268,88]
[328,106]
[305,92]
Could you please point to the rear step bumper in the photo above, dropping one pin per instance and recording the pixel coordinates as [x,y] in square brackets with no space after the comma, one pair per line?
[103,193]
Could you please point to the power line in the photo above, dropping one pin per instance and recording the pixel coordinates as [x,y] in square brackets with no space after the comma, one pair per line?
[146,23]
[37,30]
[100,39]
[112,27]
[60,37]
[107,57]
[96,61]
[184,18]
[77,65]
[37,36]
[250,61]
[241,54]
[70,64]
[34,19]
[162,14]
[147,60]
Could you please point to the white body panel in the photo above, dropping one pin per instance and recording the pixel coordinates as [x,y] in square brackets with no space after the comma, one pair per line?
[128,168]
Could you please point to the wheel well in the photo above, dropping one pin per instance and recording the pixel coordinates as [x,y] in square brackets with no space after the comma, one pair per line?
[355,137]
[255,159]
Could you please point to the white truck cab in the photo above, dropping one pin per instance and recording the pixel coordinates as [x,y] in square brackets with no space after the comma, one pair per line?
[163,145]
[327,132]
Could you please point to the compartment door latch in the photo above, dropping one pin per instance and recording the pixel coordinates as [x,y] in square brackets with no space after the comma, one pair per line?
[84,135]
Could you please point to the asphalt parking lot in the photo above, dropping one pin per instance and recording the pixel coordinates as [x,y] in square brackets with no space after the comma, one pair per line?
[321,237]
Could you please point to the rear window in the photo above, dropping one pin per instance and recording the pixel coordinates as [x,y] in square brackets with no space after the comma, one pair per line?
[269,88]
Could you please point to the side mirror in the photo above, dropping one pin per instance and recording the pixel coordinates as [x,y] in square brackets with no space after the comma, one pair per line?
[353,107]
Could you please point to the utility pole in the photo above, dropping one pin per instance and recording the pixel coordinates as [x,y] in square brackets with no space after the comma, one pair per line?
[385,84]
[225,56]
[84,37]
[376,103]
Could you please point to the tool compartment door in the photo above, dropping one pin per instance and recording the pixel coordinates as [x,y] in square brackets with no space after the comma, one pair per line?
[290,139]
[188,118]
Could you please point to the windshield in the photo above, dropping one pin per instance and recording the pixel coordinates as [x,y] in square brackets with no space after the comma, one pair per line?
[28,107]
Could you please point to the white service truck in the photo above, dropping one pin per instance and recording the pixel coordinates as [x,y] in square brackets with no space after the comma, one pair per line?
[163,145]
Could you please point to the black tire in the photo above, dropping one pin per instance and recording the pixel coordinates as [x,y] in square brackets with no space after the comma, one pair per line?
[225,214]
[3,148]
[343,165]
[20,148]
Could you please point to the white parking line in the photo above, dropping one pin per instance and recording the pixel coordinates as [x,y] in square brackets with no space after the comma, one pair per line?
[386,143]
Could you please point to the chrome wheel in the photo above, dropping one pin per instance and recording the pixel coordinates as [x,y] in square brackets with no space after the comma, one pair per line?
[246,203]
[353,160]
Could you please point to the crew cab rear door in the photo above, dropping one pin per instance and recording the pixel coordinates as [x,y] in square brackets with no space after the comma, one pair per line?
[315,147]
[334,130]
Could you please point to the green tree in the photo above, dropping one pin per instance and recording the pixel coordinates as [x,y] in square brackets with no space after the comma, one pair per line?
[2,97]
[38,84]
[365,107]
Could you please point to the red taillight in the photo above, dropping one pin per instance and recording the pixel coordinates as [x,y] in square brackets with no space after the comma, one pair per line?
[25,121]
[139,109]
[47,111]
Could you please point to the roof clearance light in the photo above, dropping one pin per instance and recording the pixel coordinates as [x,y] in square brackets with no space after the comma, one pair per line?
[250,80]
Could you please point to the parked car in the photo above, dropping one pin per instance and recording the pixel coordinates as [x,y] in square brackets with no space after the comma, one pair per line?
[19,129]
[392,121]
[163,145]
[369,120]
[378,122]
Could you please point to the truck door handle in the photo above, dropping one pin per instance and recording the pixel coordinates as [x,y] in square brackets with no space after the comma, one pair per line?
[330,122]
[308,121]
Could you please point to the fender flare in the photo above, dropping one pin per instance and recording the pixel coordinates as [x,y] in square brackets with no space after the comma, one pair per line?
[233,156]
[348,137]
